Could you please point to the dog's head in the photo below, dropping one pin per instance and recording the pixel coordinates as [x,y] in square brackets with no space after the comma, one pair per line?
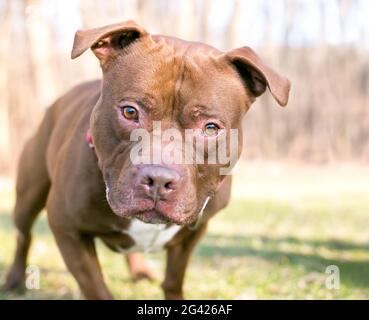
[166,107]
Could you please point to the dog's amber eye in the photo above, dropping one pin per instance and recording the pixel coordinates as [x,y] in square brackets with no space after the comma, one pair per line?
[211,129]
[130,113]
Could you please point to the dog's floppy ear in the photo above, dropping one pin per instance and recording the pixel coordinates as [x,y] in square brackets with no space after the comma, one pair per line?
[106,40]
[257,76]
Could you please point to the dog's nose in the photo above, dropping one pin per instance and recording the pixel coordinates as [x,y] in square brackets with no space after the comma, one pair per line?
[158,182]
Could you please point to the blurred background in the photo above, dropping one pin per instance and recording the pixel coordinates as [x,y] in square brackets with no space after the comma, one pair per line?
[301,193]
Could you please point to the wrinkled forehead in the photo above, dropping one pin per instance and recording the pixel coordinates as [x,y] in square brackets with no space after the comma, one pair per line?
[172,70]
[210,82]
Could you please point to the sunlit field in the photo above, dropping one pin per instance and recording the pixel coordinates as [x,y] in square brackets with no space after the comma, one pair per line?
[284,226]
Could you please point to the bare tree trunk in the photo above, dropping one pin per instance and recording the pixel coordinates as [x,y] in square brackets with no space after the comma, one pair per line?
[203,16]
[185,16]
[230,36]
[23,104]
[41,48]
[4,116]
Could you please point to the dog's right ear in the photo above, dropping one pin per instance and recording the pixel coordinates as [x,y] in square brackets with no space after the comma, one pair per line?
[106,41]
[258,76]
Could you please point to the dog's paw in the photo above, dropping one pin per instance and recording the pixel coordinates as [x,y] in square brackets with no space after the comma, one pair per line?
[13,284]
[173,296]
[145,274]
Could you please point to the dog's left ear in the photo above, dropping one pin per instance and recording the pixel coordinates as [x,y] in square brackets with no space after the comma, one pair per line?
[257,76]
[107,41]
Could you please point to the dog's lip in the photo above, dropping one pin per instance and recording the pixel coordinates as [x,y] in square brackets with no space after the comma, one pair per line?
[150,212]
[146,215]
[152,216]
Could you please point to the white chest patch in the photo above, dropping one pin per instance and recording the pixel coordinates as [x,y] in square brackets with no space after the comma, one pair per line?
[150,237]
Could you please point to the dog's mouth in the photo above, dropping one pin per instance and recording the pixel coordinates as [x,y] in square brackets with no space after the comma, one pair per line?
[150,213]
[135,204]
[152,216]
[143,209]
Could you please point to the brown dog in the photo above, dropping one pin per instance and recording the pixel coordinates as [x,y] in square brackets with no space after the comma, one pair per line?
[99,192]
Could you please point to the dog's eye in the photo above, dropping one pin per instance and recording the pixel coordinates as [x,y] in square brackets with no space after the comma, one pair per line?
[130,113]
[211,129]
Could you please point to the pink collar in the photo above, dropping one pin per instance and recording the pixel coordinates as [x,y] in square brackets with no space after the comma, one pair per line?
[89,140]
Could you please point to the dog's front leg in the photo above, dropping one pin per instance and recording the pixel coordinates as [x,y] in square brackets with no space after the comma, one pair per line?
[79,254]
[177,260]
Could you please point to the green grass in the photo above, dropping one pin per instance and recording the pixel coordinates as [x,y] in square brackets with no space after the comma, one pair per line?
[259,248]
